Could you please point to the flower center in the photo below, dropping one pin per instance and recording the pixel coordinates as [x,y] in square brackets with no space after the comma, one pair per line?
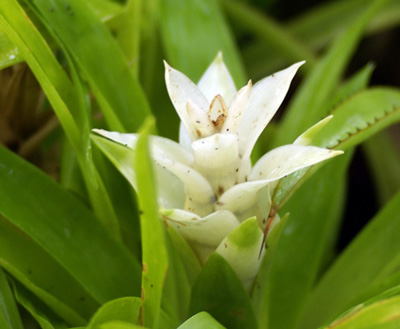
[218,112]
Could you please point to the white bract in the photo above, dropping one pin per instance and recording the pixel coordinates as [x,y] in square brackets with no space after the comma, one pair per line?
[206,184]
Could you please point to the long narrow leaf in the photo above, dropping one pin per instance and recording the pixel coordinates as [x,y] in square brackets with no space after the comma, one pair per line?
[155,259]
[124,107]
[219,292]
[40,312]
[381,152]
[8,307]
[309,106]
[67,230]
[63,96]
[371,257]
[273,35]
[379,312]
[39,273]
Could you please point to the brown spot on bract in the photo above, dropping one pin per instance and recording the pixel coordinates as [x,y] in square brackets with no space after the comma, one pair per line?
[220,190]
[218,111]
[198,132]
[144,268]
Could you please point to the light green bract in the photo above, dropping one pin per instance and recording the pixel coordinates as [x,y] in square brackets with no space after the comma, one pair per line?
[206,184]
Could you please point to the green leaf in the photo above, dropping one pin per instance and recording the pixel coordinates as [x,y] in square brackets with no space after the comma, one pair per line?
[193,33]
[381,152]
[354,121]
[129,31]
[39,311]
[154,259]
[8,308]
[359,117]
[380,312]
[315,211]
[125,106]
[67,99]
[53,79]
[66,229]
[122,309]
[369,259]
[219,292]
[317,26]
[119,325]
[309,105]
[38,272]
[201,320]
[177,287]
[357,82]
[124,202]
[9,54]
[273,36]
[106,9]
[187,256]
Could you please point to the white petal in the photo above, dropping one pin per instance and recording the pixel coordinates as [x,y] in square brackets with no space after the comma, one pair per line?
[120,155]
[265,99]
[217,159]
[200,120]
[217,80]
[160,146]
[236,109]
[170,190]
[241,198]
[128,140]
[307,137]
[274,165]
[286,159]
[199,195]
[181,89]
[204,234]
[241,250]
[184,138]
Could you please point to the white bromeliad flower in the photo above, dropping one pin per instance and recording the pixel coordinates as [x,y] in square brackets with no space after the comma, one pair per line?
[206,184]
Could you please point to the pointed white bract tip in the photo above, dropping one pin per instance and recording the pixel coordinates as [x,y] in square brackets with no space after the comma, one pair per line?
[97,131]
[166,65]
[297,65]
[336,152]
[219,55]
